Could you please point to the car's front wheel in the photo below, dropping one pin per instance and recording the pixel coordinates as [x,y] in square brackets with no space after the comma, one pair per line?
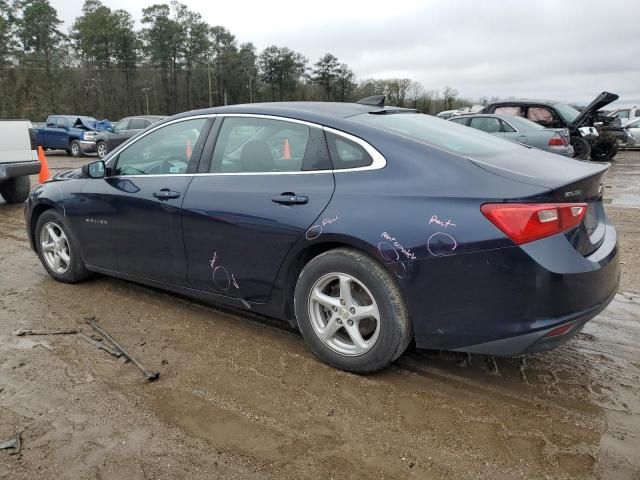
[57,249]
[351,312]
[581,148]
[75,149]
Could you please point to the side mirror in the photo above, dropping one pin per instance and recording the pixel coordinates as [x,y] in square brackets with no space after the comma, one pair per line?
[94,169]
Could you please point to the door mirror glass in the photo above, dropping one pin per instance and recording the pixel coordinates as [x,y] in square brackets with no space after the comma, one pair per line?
[94,169]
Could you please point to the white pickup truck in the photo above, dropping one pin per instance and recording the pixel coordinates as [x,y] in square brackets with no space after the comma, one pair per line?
[18,159]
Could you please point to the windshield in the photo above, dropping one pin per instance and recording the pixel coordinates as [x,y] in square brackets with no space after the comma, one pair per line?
[432,131]
[567,112]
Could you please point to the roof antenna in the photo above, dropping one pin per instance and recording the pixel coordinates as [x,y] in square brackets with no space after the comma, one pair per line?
[374,101]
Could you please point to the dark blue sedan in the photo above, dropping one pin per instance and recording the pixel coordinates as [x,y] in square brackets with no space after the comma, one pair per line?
[367,227]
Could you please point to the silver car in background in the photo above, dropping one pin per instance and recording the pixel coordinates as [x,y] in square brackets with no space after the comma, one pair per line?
[518,129]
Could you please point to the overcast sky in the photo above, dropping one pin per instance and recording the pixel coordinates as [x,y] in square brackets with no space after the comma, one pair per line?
[569,50]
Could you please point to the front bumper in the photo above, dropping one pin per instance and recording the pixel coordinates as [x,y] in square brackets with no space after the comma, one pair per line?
[18,169]
[87,146]
[504,301]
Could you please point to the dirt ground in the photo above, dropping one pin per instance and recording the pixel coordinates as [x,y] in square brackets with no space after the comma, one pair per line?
[241,398]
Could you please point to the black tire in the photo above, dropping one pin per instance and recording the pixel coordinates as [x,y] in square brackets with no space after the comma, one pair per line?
[75,149]
[16,189]
[395,332]
[581,148]
[604,152]
[76,270]
[102,149]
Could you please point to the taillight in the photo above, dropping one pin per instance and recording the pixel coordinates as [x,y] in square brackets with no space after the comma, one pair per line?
[556,140]
[32,139]
[526,222]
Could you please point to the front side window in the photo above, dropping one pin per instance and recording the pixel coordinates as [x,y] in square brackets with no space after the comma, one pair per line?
[164,151]
[256,145]
[567,112]
[506,127]
[138,123]
[486,124]
[623,114]
[121,125]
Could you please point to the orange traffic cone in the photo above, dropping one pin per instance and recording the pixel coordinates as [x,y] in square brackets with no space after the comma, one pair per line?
[189,149]
[44,167]
[286,150]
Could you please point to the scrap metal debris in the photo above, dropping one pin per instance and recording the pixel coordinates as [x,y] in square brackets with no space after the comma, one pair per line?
[151,376]
[13,444]
[66,331]
[100,345]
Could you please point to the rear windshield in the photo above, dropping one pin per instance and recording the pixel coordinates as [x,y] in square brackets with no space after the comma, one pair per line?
[567,112]
[524,124]
[433,131]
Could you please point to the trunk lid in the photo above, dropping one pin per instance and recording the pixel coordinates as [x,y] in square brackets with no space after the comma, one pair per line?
[563,180]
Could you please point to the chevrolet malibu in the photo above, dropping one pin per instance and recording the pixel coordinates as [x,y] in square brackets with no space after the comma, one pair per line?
[367,227]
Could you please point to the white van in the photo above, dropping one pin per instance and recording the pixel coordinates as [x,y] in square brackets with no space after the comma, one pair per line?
[18,159]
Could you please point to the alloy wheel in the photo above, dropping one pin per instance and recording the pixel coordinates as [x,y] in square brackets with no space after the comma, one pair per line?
[344,314]
[55,247]
[102,150]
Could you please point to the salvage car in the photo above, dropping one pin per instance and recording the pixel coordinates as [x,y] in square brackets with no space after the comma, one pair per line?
[625,114]
[365,226]
[632,127]
[18,159]
[518,129]
[593,135]
[73,133]
[126,128]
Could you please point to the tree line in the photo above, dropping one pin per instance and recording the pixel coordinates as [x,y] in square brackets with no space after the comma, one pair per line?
[105,67]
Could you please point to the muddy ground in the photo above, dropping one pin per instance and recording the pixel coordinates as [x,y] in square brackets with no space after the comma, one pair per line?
[241,398]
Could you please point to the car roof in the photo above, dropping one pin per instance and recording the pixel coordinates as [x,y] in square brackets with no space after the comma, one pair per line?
[525,101]
[309,111]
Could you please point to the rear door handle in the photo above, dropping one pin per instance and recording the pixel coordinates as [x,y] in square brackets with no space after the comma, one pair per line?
[289,198]
[166,194]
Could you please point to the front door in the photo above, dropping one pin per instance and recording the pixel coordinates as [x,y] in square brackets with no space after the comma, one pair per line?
[259,190]
[137,207]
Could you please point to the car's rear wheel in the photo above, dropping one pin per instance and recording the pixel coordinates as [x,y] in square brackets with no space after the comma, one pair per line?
[58,249]
[16,189]
[75,149]
[604,152]
[102,149]
[351,312]
[581,148]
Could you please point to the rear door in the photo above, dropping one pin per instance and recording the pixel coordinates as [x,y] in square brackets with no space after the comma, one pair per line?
[260,186]
[131,219]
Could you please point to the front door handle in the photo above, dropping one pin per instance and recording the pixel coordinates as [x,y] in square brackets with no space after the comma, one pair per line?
[166,194]
[289,198]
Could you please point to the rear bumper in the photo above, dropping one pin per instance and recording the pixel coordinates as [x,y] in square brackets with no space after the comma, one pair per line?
[504,301]
[18,169]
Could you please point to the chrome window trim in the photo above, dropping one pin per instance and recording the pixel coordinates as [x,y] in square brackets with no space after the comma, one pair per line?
[377,159]
[515,130]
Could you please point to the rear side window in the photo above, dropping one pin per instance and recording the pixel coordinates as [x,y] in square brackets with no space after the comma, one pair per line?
[256,145]
[461,121]
[346,153]
[508,111]
[486,124]
[506,127]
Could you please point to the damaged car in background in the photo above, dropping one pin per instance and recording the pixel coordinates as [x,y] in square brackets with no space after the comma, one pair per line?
[75,134]
[594,135]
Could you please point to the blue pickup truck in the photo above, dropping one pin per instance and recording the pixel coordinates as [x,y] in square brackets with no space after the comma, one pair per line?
[74,133]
